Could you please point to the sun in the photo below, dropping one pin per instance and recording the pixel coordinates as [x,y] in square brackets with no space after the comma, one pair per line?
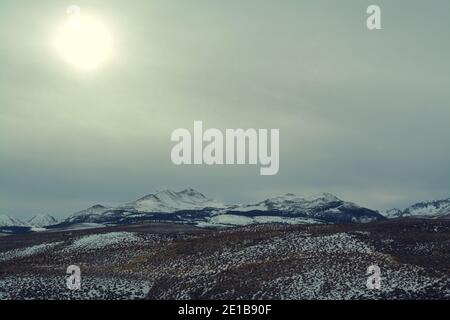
[84,42]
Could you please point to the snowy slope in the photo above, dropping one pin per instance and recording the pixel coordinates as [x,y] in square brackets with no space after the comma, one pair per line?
[42,220]
[169,201]
[232,220]
[291,204]
[7,221]
[163,203]
[324,206]
[425,209]
[87,215]
[393,213]
[429,208]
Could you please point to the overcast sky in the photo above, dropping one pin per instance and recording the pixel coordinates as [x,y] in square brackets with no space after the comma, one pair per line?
[362,114]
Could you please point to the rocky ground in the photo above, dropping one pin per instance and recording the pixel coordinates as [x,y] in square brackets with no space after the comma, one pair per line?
[169,261]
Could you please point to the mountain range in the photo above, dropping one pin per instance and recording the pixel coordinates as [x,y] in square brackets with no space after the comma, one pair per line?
[42,221]
[39,222]
[192,207]
[426,209]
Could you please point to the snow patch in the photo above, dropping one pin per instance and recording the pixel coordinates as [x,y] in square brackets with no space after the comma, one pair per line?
[102,240]
[28,251]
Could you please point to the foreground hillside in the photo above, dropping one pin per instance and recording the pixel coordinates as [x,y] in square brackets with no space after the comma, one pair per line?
[170,261]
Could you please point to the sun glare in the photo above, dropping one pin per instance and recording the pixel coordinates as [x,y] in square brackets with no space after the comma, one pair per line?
[85,43]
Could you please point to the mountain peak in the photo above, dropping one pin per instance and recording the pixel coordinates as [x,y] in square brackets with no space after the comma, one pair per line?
[42,220]
[424,209]
[85,214]
[166,192]
[8,221]
[97,206]
[191,192]
[169,201]
[393,213]
[324,196]
[169,193]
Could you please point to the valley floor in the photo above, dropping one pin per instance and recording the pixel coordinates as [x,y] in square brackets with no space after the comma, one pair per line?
[167,261]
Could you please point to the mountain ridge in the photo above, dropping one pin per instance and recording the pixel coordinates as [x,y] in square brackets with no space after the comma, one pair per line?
[8,221]
[432,209]
[192,206]
[42,220]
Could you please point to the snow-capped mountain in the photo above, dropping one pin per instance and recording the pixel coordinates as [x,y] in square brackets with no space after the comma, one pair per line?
[426,209]
[166,205]
[323,207]
[8,221]
[88,215]
[393,213]
[10,224]
[191,206]
[42,221]
[169,201]
[433,209]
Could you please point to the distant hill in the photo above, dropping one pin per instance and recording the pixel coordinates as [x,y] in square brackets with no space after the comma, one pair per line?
[435,209]
[42,221]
